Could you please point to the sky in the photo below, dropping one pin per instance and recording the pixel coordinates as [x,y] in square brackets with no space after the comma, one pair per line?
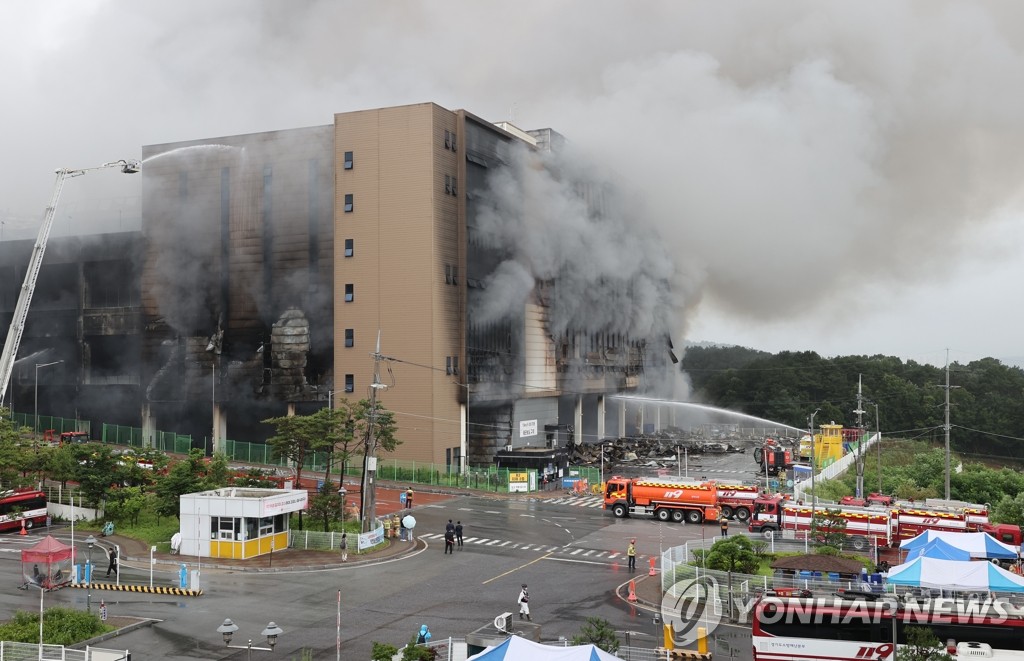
[842,178]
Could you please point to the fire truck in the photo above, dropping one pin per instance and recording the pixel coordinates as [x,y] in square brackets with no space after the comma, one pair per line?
[737,500]
[870,526]
[663,500]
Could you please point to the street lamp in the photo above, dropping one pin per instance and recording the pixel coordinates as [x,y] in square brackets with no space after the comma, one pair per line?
[42,591]
[35,424]
[271,632]
[342,491]
[90,541]
[814,466]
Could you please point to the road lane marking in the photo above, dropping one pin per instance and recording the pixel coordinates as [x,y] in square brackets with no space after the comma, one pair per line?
[515,569]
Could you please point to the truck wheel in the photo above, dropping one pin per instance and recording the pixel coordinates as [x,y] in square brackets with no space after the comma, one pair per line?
[859,543]
[619,511]
[662,514]
[693,516]
[768,533]
[677,516]
[742,514]
[727,512]
[28,524]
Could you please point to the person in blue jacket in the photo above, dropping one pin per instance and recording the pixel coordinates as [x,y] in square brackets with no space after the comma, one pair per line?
[424,635]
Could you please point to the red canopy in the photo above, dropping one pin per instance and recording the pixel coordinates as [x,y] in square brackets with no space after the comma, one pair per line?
[48,550]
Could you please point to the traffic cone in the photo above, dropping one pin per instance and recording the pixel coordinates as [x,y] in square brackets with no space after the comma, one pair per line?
[632,591]
[651,573]
[23,531]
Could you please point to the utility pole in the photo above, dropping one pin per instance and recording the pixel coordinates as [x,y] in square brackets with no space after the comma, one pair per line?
[860,426]
[814,469]
[946,426]
[369,490]
[878,447]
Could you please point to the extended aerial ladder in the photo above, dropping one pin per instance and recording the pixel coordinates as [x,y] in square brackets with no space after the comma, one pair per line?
[32,274]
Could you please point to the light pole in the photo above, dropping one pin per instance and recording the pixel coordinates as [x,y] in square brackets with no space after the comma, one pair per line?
[90,541]
[42,591]
[814,466]
[271,632]
[342,492]
[878,447]
[35,423]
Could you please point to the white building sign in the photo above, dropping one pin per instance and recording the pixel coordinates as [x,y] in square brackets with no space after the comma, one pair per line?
[527,428]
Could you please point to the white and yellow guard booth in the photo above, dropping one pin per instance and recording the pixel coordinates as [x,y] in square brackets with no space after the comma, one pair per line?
[237,522]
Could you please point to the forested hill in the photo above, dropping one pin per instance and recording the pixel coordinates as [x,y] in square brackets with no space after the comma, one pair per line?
[986,400]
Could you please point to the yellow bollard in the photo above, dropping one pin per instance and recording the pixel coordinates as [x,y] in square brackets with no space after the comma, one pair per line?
[670,642]
[702,640]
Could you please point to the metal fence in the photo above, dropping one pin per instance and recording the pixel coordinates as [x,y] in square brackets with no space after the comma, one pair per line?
[32,652]
[313,540]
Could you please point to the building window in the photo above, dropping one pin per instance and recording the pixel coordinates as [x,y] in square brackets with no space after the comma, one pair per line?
[350,247]
[349,202]
[455,274]
[447,364]
[348,160]
[447,274]
[455,186]
[455,365]
[449,141]
[350,383]
[448,183]
[350,293]
[350,337]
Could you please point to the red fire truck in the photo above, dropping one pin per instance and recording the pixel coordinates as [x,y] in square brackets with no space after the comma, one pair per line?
[868,526]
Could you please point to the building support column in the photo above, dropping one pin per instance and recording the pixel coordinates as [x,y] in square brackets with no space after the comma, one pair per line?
[622,418]
[600,417]
[657,418]
[148,426]
[577,421]
[463,436]
[220,428]
[640,419]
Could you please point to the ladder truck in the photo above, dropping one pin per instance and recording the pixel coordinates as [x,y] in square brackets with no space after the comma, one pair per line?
[13,340]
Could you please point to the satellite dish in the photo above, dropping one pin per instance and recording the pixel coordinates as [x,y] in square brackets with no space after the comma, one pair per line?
[409,521]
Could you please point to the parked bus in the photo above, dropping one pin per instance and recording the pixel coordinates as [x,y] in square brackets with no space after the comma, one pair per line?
[26,505]
[862,627]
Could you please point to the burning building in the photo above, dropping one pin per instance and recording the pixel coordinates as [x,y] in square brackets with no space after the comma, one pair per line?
[512,287]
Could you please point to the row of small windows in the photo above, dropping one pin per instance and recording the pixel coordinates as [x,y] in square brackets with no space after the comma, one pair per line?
[450,141]
[451,185]
[451,274]
[451,365]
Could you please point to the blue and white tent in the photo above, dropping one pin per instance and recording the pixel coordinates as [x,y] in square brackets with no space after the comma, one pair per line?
[940,549]
[957,575]
[978,544]
[520,649]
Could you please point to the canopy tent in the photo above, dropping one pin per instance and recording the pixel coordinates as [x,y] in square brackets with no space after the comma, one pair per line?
[940,549]
[955,575]
[517,648]
[978,544]
[47,564]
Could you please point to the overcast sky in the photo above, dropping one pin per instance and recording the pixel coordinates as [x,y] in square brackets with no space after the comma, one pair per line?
[836,177]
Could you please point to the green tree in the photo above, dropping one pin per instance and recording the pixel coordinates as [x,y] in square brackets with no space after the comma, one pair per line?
[125,504]
[297,437]
[186,476]
[733,554]
[62,465]
[922,645]
[217,473]
[383,652]
[599,632]
[828,528]
[1009,509]
[98,470]
[325,505]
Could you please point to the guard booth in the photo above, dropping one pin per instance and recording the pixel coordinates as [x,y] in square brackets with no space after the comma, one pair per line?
[237,522]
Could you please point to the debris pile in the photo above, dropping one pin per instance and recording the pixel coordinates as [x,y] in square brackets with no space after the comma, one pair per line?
[659,450]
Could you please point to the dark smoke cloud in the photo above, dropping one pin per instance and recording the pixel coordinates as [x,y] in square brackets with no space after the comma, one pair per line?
[801,160]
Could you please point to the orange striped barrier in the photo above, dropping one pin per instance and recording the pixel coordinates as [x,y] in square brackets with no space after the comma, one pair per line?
[651,573]
[632,591]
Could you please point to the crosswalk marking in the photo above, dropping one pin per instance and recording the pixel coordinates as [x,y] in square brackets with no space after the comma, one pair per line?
[578,501]
[595,554]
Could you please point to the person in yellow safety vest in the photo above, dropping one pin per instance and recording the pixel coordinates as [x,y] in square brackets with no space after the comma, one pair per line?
[396,526]
[631,554]
[387,527]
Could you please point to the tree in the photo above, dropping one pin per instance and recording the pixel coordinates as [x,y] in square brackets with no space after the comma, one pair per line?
[1009,509]
[98,470]
[599,632]
[828,528]
[922,645]
[325,505]
[125,504]
[186,476]
[62,466]
[298,436]
[733,554]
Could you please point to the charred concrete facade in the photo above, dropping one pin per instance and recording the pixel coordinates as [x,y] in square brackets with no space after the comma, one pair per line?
[269,263]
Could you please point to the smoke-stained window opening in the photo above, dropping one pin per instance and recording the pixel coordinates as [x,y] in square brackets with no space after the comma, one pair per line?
[349,202]
[348,160]
[450,141]
[448,184]
[350,383]
[350,247]
[350,293]
[350,337]
[455,274]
